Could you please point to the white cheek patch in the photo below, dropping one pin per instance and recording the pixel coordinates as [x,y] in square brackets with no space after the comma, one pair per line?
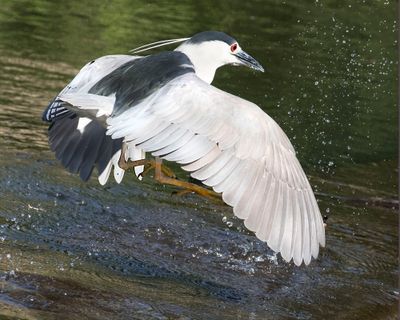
[82,123]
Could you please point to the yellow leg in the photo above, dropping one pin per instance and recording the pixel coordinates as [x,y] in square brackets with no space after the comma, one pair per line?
[165,175]
[151,164]
[148,163]
[187,186]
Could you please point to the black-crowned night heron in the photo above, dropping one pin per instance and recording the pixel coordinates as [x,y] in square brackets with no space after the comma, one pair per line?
[119,107]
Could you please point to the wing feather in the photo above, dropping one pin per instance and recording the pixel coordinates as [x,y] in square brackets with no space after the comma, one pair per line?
[214,167]
[231,145]
[161,139]
[232,196]
[179,143]
[277,219]
[222,174]
[194,149]
[285,236]
[202,162]
[166,140]
[252,197]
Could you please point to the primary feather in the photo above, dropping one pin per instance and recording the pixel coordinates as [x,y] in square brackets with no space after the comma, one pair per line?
[248,172]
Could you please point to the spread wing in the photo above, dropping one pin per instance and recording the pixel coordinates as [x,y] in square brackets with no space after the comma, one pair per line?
[231,145]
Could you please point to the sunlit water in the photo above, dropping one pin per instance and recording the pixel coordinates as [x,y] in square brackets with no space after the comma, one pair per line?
[77,250]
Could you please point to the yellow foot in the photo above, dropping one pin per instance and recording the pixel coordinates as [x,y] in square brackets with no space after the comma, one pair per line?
[151,164]
[165,175]
[148,165]
[186,186]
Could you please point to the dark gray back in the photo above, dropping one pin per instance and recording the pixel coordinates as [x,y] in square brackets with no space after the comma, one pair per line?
[135,80]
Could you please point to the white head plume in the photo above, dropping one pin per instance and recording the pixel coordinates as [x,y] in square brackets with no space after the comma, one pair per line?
[157,44]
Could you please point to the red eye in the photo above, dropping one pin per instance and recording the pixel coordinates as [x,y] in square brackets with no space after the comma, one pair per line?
[233,47]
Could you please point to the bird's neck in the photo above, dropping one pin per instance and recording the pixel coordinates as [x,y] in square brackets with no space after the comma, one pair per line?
[204,65]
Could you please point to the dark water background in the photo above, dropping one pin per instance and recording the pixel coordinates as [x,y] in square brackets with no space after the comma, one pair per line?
[73,250]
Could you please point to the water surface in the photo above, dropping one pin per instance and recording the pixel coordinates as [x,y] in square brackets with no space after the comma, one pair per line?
[78,250]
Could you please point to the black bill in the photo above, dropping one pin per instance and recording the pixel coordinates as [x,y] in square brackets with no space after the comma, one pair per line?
[249,61]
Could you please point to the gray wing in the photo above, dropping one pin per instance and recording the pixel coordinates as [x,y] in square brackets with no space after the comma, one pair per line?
[78,137]
[231,145]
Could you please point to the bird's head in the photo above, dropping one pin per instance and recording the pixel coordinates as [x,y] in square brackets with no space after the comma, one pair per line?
[210,50]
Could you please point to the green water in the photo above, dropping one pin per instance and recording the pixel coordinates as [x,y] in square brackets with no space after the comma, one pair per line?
[73,250]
